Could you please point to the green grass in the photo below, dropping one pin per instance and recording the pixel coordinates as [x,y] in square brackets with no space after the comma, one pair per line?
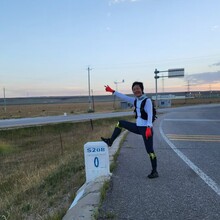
[41,168]
[6,148]
[97,214]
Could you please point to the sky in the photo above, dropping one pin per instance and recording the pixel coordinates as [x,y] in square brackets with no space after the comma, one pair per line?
[47,46]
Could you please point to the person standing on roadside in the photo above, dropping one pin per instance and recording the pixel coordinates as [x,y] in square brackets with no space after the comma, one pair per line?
[143,126]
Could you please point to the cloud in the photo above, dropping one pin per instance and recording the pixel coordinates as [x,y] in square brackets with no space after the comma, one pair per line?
[108,29]
[204,78]
[216,64]
[215,28]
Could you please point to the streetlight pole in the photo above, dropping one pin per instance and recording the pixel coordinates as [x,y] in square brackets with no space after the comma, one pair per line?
[116,88]
[116,83]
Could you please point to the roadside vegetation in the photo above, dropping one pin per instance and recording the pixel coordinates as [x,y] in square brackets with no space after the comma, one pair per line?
[41,168]
[36,110]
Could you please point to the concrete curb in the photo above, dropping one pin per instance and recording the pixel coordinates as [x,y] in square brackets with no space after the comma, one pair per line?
[88,196]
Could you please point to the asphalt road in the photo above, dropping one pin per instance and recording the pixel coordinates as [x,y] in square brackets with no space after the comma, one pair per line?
[24,122]
[187,144]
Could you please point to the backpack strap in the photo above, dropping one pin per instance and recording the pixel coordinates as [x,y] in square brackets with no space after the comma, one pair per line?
[143,103]
[135,103]
[135,106]
[143,113]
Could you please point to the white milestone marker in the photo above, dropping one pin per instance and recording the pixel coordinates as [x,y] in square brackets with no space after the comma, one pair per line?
[96,160]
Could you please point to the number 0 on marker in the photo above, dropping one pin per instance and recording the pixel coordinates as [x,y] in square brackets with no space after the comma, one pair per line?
[96,162]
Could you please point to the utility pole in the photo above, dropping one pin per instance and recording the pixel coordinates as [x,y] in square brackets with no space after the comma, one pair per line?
[156,77]
[93,103]
[90,102]
[4,99]
[188,87]
[162,83]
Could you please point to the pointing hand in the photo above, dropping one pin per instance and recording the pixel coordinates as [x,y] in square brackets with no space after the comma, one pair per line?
[109,89]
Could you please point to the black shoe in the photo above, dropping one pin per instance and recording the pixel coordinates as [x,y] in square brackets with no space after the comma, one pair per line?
[107,141]
[154,174]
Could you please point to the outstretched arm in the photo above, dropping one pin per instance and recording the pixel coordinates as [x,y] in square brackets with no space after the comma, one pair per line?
[120,95]
[125,97]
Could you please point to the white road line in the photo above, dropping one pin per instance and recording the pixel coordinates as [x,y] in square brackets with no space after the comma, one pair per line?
[196,169]
[188,119]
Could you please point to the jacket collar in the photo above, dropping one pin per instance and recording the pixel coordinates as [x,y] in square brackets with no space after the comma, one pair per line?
[142,97]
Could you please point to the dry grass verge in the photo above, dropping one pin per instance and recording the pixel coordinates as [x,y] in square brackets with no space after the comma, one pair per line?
[41,168]
[35,110]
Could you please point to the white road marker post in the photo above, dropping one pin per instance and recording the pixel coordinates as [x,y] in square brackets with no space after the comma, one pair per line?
[96,160]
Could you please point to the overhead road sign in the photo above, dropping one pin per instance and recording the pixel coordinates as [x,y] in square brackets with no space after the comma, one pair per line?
[176,72]
[172,73]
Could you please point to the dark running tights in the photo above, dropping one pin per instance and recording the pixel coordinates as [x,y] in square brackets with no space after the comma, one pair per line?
[132,127]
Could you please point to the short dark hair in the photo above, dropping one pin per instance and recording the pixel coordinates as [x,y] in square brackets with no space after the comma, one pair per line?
[139,84]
